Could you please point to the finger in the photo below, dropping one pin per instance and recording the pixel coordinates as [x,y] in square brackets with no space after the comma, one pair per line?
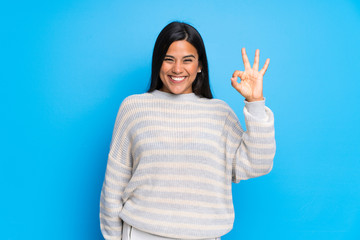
[237,74]
[265,67]
[238,86]
[256,60]
[245,59]
[235,83]
[234,79]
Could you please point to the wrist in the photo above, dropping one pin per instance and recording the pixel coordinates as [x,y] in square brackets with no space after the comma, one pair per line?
[256,108]
[254,99]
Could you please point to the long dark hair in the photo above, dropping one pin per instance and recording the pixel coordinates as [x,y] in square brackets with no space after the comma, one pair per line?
[176,31]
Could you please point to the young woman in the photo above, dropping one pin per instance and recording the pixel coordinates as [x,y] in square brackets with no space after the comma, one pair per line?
[175,150]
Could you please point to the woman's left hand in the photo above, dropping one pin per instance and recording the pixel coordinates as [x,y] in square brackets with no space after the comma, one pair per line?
[251,84]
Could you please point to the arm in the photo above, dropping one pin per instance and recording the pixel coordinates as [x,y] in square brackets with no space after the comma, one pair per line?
[255,153]
[118,173]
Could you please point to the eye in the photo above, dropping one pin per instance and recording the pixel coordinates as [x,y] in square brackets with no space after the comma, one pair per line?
[168,59]
[188,60]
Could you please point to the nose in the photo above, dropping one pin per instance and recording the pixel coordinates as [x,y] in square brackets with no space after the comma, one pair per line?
[177,68]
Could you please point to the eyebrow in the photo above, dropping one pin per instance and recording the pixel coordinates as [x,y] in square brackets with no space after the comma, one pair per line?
[187,56]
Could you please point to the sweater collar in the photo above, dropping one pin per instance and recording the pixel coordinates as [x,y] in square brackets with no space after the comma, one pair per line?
[175,97]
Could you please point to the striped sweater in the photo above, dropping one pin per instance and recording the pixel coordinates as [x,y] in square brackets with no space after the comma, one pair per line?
[173,159]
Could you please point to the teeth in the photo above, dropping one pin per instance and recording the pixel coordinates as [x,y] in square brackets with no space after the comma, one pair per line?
[178,78]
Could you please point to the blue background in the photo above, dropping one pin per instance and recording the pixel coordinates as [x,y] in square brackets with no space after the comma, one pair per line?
[67,65]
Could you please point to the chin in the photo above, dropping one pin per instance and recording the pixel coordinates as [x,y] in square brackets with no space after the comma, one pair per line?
[180,91]
[176,90]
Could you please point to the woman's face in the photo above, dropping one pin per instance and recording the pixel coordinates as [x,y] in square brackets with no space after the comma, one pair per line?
[179,68]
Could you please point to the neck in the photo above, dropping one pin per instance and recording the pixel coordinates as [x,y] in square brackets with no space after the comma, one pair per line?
[175,97]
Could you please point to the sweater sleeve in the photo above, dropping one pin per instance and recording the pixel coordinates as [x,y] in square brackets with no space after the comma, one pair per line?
[252,151]
[117,175]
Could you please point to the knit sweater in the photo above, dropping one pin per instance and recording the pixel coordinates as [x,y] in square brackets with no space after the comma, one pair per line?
[172,162]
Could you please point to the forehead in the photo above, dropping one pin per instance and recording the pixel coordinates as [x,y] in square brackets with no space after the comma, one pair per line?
[181,48]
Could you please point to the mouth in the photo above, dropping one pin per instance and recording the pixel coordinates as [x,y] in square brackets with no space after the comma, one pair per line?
[177,79]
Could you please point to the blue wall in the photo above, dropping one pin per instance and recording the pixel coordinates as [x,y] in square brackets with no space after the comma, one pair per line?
[67,65]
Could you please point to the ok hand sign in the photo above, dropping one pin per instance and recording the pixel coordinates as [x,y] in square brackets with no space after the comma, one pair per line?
[251,84]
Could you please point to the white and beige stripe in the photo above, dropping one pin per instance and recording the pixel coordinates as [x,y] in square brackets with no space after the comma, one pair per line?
[172,160]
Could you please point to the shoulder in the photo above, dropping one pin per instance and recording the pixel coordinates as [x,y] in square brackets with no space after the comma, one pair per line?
[130,105]
[216,104]
[134,99]
[223,107]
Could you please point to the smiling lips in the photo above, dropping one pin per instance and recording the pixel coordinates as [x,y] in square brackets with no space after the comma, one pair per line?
[177,79]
